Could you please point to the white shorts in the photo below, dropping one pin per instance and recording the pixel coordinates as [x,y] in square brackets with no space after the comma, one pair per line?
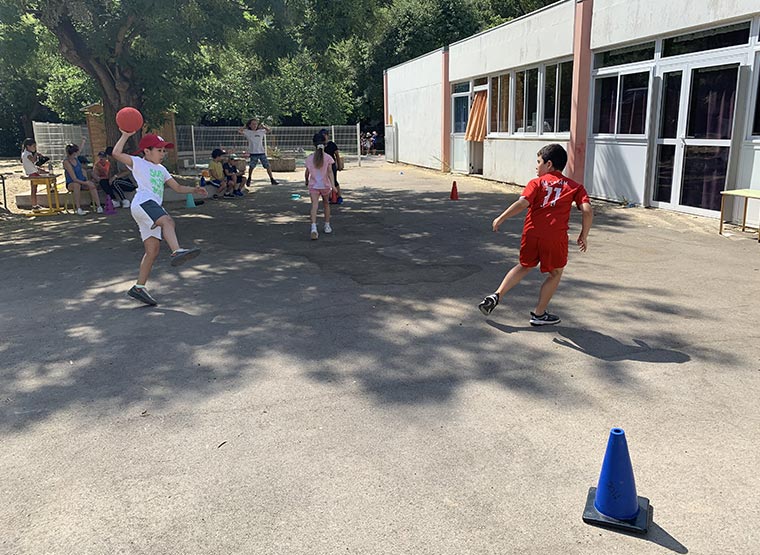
[146,214]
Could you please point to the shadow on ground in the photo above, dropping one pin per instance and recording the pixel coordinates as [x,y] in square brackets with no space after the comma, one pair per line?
[390,295]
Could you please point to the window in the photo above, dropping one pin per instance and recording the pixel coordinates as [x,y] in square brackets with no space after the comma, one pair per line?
[756,122]
[526,100]
[722,37]
[624,114]
[460,88]
[481,81]
[494,125]
[558,97]
[519,101]
[461,113]
[626,55]
[605,103]
[500,104]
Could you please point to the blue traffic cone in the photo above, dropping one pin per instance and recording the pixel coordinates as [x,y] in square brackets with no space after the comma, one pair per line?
[614,502]
[190,202]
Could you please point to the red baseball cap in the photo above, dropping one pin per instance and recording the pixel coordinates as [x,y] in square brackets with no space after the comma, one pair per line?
[150,140]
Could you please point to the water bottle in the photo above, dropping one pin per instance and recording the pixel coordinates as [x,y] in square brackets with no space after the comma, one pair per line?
[50,167]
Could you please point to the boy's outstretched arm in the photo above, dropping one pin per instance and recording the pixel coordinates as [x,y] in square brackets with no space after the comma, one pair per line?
[518,206]
[588,217]
[184,189]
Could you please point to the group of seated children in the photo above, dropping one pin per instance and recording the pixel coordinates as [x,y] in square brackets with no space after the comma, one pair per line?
[224,175]
[77,178]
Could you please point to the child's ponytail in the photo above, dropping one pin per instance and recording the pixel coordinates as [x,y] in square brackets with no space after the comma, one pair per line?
[319,152]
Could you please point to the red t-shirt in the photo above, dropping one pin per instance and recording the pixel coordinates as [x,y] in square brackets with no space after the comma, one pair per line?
[551,197]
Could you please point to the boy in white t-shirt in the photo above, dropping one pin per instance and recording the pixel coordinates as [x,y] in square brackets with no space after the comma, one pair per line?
[32,166]
[255,133]
[151,218]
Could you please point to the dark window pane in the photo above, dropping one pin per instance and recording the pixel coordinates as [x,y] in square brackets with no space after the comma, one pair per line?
[634,91]
[627,55]
[671,101]
[711,106]
[704,176]
[461,113]
[519,101]
[550,97]
[605,100]
[731,35]
[504,104]
[531,100]
[494,104]
[756,123]
[565,96]
[481,81]
[460,87]
[663,181]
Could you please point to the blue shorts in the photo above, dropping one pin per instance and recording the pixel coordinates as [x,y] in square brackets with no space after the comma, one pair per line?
[259,157]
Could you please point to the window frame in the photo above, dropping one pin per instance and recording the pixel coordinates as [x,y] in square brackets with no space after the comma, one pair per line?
[619,72]
[512,132]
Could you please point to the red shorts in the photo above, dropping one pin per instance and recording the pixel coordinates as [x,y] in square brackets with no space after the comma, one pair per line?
[550,252]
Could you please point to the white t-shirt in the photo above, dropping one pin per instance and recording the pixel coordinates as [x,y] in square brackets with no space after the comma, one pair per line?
[150,179]
[255,140]
[29,167]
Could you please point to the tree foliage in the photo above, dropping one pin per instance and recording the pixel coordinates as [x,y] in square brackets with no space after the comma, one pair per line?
[221,60]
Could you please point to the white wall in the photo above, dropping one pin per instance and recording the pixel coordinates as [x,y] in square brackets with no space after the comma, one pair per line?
[543,35]
[620,21]
[513,160]
[415,102]
[747,177]
[616,168]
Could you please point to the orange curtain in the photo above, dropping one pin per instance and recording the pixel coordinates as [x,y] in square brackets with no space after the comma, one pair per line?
[476,124]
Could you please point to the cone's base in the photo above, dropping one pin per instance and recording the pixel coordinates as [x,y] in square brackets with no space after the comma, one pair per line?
[638,524]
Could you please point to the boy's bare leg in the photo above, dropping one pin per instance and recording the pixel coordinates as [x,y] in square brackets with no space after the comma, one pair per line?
[250,172]
[168,232]
[513,277]
[152,247]
[547,290]
[269,171]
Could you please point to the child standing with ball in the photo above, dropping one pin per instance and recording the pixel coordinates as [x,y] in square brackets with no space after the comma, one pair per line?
[548,198]
[146,207]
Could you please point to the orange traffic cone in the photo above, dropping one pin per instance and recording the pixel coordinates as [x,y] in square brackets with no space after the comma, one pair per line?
[454,192]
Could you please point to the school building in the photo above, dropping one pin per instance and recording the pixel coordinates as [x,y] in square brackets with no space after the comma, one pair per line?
[656,101]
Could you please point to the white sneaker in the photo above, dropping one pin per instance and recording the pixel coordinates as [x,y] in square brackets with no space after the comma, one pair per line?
[328,229]
[314,234]
[80,212]
[99,210]
[125,203]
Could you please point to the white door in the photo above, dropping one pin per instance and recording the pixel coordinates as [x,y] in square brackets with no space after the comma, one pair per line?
[460,149]
[696,119]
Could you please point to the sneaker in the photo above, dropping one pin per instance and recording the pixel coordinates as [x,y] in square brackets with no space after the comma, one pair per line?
[99,210]
[314,234]
[125,203]
[247,182]
[238,193]
[142,295]
[36,207]
[80,212]
[229,195]
[328,228]
[487,305]
[274,181]
[545,319]
[180,256]
[340,200]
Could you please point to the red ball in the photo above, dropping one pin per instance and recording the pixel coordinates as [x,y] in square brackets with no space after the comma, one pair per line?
[129,119]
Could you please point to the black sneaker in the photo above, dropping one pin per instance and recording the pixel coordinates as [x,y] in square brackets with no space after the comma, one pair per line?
[274,182]
[545,319]
[142,295]
[180,256]
[487,305]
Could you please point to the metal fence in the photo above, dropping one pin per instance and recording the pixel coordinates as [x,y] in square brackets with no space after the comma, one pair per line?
[52,138]
[195,142]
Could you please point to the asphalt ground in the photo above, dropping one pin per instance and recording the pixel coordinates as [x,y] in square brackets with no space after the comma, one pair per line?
[345,395]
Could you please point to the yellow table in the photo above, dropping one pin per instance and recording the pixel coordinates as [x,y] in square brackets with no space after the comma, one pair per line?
[53,202]
[745,194]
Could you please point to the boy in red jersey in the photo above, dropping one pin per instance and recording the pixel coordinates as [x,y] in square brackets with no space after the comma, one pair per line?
[548,199]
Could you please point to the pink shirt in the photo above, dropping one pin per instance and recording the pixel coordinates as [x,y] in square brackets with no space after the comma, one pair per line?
[319,177]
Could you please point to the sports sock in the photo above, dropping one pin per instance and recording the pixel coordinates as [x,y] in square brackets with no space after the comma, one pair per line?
[139,286]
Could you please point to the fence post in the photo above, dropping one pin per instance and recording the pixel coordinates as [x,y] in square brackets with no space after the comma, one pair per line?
[192,139]
[359,142]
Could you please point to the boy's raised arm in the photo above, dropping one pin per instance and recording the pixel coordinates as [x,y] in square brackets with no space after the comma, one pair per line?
[118,150]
